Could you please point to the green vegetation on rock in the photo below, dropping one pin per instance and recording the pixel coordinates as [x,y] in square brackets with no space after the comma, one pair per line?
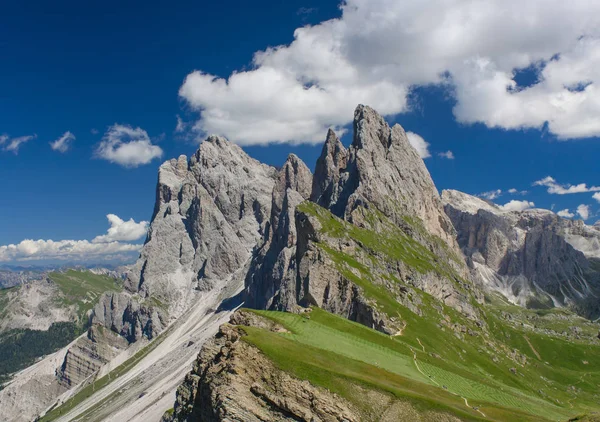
[83,288]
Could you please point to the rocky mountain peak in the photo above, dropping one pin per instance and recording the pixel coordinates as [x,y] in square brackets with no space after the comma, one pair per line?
[385,170]
[334,157]
[532,257]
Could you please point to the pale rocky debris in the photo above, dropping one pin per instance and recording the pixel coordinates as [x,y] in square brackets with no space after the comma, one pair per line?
[34,305]
[525,255]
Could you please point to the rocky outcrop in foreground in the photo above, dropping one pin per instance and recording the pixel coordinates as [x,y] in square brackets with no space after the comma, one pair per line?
[527,256]
[232,380]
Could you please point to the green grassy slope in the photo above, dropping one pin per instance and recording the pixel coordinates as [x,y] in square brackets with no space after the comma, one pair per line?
[519,368]
[336,353]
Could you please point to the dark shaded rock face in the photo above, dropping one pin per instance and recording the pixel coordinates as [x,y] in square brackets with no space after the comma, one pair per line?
[524,255]
[271,280]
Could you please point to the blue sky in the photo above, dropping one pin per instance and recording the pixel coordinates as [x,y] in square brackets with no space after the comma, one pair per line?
[114,73]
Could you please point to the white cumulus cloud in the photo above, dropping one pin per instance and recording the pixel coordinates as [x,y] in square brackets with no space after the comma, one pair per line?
[127,146]
[583,211]
[596,196]
[565,213]
[515,205]
[63,143]
[122,231]
[378,50]
[564,189]
[419,144]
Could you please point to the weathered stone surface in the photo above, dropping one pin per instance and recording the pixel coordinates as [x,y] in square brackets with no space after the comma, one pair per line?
[525,255]
[89,354]
[233,381]
[210,212]
[385,170]
[326,182]
[271,280]
[381,172]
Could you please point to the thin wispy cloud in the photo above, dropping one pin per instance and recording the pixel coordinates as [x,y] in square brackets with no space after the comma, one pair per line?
[14,144]
[63,143]
[449,155]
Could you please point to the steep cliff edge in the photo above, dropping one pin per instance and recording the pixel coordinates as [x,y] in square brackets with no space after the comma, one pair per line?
[530,256]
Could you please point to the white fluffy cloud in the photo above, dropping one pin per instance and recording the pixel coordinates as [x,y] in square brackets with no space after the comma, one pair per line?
[13,144]
[106,247]
[127,146]
[564,189]
[419,144]
[596,196]
[122,231]
[378,50]
[565,213]
[583,211]
[63,143]
[515,205]
[448,155]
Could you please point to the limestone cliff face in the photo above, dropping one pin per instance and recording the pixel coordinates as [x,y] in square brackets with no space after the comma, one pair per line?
[526,255]
[271,280]
[380,177]
[210,212]
[89,354]
[382,169]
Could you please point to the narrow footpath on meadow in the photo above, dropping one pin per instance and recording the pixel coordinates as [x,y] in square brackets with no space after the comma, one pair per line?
[433,380]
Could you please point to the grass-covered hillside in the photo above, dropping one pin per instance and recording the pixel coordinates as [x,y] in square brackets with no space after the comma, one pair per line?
[501,362]
[82,289]
[512,374]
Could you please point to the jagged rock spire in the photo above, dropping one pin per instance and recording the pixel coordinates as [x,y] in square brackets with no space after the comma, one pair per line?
[334,157]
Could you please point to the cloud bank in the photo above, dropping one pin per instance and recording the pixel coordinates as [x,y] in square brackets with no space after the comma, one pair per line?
[559,189]
[379,50]
[109,246]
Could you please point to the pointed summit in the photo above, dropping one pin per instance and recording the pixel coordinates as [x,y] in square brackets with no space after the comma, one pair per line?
[334,158]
